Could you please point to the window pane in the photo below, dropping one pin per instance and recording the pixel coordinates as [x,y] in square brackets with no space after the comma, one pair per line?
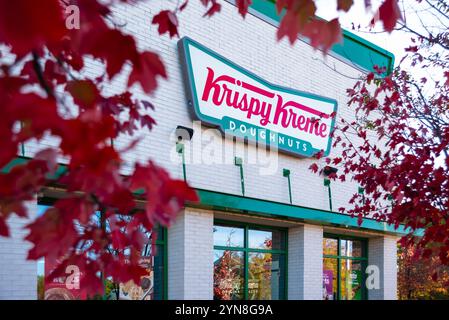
[351,280]
[266,239]
[228,236]
[351,248]
[266,276]
[228,275]
[40,279]
[330,246]
[330,278]
[151,286]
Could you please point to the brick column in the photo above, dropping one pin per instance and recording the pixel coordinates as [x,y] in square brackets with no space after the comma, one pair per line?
[305,263]
[190,256]
[18,276]
[382,253]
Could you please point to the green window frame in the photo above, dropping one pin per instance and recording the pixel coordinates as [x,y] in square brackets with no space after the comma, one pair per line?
[340,258]
[247,251]
[161,243]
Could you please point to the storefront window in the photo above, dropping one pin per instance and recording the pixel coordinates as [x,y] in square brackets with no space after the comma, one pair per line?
[254,268]
[152,286]
[344,266]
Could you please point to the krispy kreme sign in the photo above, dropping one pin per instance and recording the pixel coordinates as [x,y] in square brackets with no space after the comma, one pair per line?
[224,94]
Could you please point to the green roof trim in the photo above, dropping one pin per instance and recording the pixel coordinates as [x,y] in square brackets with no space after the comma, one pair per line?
[229,202]
[354,49]
[21,160]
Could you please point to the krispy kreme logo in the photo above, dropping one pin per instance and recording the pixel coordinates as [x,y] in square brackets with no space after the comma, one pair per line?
[224,94]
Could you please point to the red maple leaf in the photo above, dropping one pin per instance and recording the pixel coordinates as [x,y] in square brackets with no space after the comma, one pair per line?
[145,71]
[243,6]
[113,47]
[389,13]
[313,167]
[167,22]
[344,5]
[214,8]
[27,25]
[84,92]
[323,34]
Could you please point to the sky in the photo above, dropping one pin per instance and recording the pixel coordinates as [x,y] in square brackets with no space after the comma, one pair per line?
[415,14]
[394,42]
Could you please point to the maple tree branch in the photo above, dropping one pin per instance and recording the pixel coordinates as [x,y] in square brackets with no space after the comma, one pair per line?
[40,76]
[430,39]
[442,13]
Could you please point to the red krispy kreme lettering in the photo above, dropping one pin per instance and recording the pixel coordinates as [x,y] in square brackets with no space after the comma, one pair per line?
[254,101]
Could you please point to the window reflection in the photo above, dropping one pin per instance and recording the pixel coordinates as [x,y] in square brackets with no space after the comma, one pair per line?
[351,280]
[265,279]
[259,239]
[351,248]
[228,275]
[228,236]
[265,239]
[330,247]
[249,263]
[330,278]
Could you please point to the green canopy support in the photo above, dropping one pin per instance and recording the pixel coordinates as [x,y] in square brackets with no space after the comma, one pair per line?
[180,150]
[327,183]
[286,173]
[239,163]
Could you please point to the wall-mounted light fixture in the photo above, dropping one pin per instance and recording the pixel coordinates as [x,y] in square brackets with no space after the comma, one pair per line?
[184,133]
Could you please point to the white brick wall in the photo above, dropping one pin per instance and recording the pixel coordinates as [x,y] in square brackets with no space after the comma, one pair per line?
[251,43]
[382,253]
[18,277]
[305,263]
[190,256]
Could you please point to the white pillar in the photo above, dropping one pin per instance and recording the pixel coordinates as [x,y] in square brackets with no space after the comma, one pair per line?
[305,263]
[18,276]
[382,252]
[190,256]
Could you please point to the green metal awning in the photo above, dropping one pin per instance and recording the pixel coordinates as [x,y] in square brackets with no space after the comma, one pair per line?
[228,202]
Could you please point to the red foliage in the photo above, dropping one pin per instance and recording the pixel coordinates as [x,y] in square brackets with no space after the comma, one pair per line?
[243,6]
[396,149]
[167,21]
[68,232]
[300,20]
[53,58]
[344,5]
[389,13]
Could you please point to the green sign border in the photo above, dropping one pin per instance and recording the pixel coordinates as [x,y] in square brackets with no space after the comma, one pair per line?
[193,100]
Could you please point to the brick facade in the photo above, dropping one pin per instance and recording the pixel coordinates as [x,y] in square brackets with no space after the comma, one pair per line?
[382,253]
[190,256]
[251,43]
[18,276]
[305,263]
